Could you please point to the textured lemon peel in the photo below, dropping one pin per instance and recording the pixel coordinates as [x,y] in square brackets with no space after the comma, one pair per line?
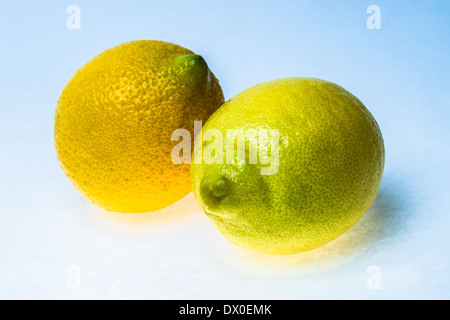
[331,163]
[114,120]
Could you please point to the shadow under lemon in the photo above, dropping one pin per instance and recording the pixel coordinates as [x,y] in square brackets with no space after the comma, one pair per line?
[375,226]
[379,224]
[182,209]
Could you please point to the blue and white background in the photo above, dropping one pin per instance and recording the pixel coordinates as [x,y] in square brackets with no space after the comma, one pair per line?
[56,245]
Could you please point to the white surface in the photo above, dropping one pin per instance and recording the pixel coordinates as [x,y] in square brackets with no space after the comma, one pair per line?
[56,245]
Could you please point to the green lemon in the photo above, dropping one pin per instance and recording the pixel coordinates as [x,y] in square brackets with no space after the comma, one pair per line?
[326,157]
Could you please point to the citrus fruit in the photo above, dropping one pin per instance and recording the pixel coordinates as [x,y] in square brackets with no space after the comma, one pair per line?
[326,166]
[115,117]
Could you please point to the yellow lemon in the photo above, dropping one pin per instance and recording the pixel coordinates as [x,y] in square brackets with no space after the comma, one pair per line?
[115,117]
[326,157]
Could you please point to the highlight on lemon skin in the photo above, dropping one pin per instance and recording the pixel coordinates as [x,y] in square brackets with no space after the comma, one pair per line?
[330,164]
[115,117]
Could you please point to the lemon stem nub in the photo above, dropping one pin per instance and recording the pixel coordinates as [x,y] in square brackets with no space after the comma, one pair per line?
[215,187]
[193,66]
[220,188]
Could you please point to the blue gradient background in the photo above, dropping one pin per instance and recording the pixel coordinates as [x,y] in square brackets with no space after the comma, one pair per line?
[400,72]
